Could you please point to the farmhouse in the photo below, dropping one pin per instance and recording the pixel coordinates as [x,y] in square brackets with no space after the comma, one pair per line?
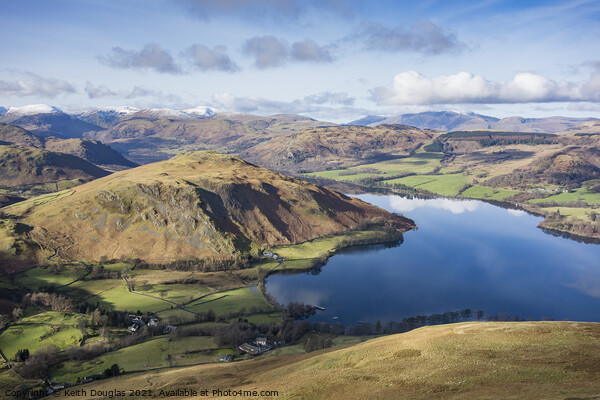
[261,341]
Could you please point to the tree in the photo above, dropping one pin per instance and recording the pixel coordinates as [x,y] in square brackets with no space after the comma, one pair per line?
[97,317]
[82,325]
[105,332]
[22,355]
[210,315]
[378,327]
[17,312]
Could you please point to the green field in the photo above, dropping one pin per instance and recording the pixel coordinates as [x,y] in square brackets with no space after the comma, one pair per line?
[577,195]
[445,185]
[40,330]
[178,293]
[117,267]
[321,247]
[419,163]
[481,192]
[86,289]
[273,318]
[154,353]
[119,298]
[35,277]
[231,301]
[580,213]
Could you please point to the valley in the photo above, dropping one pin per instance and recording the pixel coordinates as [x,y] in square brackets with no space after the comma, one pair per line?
[176,263]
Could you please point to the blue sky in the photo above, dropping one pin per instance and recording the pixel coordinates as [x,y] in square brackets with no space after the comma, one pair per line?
[330,59]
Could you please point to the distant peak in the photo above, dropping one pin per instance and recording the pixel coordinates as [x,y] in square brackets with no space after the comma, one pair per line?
[33,109]
[200,110]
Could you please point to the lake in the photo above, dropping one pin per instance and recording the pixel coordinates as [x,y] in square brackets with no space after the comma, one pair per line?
[464,254]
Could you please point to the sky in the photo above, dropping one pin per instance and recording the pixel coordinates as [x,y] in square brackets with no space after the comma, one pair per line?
[332,60]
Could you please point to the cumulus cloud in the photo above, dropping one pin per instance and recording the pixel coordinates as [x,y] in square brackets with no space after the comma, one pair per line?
[465,88]
[271,51]
[207,59]
[35,85]
[138,91]
[151,56]
[254,104]
[331,98]
[268,51]
[96,92]
[322,104]
[310,51]
[423,37]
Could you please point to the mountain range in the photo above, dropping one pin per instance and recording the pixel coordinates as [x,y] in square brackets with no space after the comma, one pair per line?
[452,121]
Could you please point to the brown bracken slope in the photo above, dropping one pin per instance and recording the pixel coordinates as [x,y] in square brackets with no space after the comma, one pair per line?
[201,204]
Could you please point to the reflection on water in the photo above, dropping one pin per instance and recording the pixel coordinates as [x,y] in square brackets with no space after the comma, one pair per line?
[465,254]
[403,204]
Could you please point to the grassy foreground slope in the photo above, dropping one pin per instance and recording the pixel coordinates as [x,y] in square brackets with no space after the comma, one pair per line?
[481,360]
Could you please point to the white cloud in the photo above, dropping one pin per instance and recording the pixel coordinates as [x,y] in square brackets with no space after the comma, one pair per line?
[151,56]
[271,51]
[402,204]
[411,87]
[95,92]
[35,85]
[423,37]
[309,51]
[331,98]
[325,103]
[207,59]
[268,51]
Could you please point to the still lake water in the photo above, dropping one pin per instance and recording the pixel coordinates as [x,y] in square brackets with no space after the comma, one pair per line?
[465,254]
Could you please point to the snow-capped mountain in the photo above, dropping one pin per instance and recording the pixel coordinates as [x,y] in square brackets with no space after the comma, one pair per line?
[33,109]
[109,116]
[3,110]
[187,113]
[201,111]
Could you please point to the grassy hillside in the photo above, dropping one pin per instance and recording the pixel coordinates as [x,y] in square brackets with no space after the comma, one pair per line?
[25,166]
[10,134]
[486,360]
[145,139]
[89,150]
[51,124]
[202,204]
[335,147]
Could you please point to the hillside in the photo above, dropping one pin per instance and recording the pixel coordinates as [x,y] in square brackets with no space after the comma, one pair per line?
[201,204]
[569,168]
[26,165]
[145,137]
[337,147]
[589,127]
[478,360]
[10,134]
[89,150]
[56,124]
